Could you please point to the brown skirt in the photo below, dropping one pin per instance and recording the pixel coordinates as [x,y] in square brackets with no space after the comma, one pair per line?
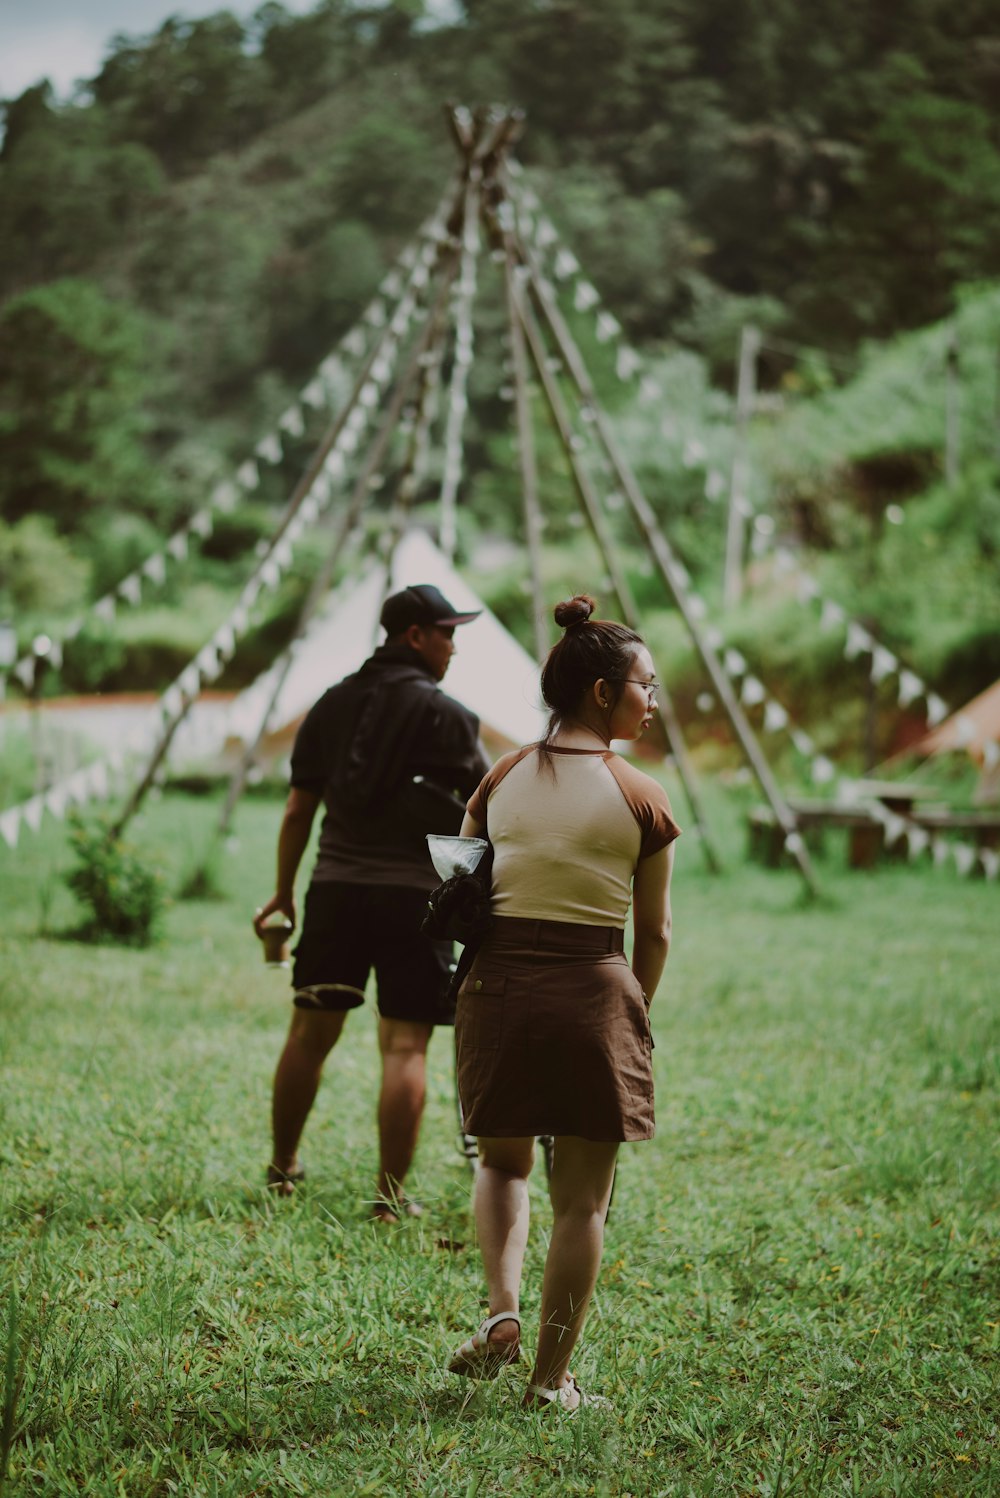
[553,1036]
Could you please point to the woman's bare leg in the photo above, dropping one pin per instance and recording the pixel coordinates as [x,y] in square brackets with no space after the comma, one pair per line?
[500,1201]
[582,1175]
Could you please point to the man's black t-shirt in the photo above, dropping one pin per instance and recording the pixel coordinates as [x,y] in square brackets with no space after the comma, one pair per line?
[360,748]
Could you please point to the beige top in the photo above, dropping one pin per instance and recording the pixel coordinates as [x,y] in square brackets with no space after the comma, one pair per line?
[569,834]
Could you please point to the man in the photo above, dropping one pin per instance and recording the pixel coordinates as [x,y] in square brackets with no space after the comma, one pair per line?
[392,758]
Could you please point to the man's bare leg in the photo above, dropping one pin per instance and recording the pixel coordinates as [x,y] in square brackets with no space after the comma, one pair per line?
[311,1037]
[403,1044]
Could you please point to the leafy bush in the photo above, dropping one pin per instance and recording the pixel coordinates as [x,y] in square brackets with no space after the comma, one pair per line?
[126,899]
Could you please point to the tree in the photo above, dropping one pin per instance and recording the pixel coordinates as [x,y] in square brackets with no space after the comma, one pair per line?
[70,419]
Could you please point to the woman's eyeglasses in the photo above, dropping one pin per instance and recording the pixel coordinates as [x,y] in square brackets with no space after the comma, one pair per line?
[652,687]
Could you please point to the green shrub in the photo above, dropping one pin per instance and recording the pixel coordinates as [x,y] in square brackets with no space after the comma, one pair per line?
[125,898]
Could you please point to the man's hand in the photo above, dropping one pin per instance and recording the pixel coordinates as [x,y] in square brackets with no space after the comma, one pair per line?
[286,905]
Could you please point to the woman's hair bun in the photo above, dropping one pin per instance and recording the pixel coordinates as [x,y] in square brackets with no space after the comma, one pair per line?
[574,611]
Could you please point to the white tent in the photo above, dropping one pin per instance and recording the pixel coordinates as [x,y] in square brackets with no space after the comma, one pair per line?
[490,672]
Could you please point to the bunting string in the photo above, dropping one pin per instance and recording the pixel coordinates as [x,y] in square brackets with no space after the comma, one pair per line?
[151,740]
[859,643]
[328,386]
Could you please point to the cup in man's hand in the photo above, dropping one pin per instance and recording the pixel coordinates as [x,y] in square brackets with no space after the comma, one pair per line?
[275,936]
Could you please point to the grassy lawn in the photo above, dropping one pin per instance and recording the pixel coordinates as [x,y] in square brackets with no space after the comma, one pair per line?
[800,1290]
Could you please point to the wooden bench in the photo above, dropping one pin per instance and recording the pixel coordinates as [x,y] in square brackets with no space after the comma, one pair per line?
[866,843]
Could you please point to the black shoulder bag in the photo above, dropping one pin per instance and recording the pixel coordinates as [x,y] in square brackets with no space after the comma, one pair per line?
[459,910]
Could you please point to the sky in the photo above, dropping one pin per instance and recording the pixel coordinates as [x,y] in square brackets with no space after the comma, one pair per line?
[64,40]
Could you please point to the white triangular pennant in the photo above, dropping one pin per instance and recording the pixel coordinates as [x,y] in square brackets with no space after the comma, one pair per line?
[831,614]
[104,608]
[291,421]
[910,688]
[937,709]
[57,799]
[565,264]
[31,812]
[991,754]
[354,343]
[155,567]
[269,448]
[895,828]
[207,662]
[649,390]
[130,588]
[10,822]
[734,662]
[585,296]
[940,851]
[823,770]
[752,692]
[917,840]
[965,858]
[627,362]
[990,860]
[25,672]
[607,327]
[314,394]
[189,680]
[858,641]
[224,640]
[775,717]
[884,663]
[224,496]
[247,475]
[178,546]
[965,730]
[201,524]
[171,702]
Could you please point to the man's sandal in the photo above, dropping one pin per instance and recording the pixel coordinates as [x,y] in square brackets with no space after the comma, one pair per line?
[284,1182]
[481,1358]
[569,1397]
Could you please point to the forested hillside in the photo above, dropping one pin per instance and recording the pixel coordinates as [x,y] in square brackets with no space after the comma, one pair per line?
[183,242]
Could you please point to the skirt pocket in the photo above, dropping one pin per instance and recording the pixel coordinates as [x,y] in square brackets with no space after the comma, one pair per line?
[480,1013]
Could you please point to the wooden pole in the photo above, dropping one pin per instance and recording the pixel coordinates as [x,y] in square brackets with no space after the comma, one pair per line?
[529,466]
[746,392]
[349,523]
[671,573]
[619,582]
[952,410]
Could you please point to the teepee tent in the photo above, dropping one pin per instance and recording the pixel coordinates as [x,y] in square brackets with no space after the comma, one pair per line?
[490,672]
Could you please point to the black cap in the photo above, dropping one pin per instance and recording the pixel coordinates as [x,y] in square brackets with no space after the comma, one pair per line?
[421,604]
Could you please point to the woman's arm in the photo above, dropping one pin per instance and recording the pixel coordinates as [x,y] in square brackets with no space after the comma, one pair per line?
[651,918]
[471,828]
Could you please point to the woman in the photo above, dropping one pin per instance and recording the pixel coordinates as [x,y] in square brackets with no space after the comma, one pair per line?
[552,1027]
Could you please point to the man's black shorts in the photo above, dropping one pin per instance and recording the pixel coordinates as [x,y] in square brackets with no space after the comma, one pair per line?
[349,929]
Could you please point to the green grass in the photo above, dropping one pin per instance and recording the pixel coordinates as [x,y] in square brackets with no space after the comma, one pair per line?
[800,1287]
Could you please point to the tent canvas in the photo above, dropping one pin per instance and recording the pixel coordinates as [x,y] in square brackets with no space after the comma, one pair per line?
[490,672]
[972,728]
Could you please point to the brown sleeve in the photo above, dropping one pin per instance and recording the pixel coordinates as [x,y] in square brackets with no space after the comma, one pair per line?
[648,803]
[476,806]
